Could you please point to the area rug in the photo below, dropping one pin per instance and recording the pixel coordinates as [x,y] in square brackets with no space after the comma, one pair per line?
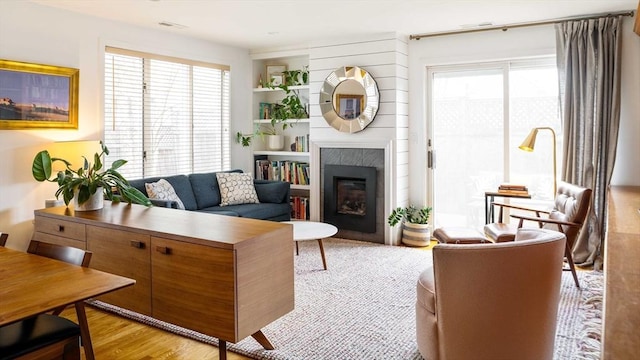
[363,307]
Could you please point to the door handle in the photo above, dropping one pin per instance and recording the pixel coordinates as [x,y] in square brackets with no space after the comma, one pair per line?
[163,250]
[431,159]
[137,244]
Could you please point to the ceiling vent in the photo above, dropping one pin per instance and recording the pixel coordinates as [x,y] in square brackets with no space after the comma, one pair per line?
[170,24]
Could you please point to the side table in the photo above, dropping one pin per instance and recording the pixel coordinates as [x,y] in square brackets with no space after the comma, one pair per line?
[489,197]
[312,230]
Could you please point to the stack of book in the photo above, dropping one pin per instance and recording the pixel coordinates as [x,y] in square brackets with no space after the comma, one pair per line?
[291,171]
[299,207]
[513,189]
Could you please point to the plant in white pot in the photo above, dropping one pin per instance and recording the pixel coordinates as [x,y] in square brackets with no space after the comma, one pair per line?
[87,185]
[416,230]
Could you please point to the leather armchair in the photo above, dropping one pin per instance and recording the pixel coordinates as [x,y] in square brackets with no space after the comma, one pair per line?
[570,210]
[491,301]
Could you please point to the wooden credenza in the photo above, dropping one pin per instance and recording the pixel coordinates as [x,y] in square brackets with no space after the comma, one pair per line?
[621,318]
[223,276]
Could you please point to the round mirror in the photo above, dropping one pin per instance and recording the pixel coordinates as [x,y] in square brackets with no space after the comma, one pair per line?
[349,99]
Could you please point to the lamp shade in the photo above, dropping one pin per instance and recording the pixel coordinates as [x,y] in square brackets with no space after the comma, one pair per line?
[74,151]
[530,142]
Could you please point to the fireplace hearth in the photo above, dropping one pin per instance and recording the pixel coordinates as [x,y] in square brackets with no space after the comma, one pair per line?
[350,197]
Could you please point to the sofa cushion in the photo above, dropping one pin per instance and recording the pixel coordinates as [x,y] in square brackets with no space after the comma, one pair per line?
[271,192]
[180,184]
[236,188]
[218,210]
[262,211]
[206,189]
[162,190]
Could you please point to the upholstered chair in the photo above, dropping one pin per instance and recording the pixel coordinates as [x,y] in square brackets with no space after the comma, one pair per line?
[491,301]
[570,210]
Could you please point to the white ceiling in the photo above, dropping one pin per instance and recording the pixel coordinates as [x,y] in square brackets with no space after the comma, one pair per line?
[257,24]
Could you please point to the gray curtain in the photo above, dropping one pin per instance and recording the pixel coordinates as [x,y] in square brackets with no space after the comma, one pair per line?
[588,53]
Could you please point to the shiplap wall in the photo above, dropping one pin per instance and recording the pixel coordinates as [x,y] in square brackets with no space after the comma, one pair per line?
[385,57]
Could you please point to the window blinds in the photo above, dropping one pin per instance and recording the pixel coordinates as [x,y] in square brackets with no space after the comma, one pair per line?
[164,115]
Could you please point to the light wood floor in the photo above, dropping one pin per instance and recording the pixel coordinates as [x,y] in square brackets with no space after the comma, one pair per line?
[117,338]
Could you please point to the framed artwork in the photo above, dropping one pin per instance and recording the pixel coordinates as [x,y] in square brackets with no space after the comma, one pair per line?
[275,74]
[350,106]
[34,96]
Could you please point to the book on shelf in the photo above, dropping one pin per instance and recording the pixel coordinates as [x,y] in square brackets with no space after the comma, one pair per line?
[294,172]
[265,110]
[300,143]
[299,207]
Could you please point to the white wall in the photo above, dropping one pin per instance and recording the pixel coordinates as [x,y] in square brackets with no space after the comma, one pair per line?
[385,57]
[514,44]
[39,34]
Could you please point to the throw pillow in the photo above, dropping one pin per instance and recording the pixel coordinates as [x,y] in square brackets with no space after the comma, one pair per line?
[236,189]
[162,190]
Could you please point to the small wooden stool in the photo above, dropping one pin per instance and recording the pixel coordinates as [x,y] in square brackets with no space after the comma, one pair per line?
[459,235]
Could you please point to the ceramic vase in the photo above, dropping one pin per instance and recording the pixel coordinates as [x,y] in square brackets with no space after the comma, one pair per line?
[95,202]
[275,142]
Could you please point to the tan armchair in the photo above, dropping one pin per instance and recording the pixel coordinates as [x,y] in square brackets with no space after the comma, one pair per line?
[491,301]
[571,206]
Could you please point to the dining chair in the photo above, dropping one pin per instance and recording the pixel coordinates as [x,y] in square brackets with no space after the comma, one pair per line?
[44,336]
[71,255]
[570,210]
[67,254]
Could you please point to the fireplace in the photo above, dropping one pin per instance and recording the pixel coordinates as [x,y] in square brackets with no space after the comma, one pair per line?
[350,197]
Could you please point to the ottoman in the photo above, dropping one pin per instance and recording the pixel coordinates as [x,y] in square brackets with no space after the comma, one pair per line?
[459,235]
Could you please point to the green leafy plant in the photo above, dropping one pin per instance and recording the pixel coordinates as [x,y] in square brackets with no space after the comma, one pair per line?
[410,214]
[289,108]
[87,179]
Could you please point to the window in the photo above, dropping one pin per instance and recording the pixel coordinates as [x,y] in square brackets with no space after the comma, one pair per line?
[165,116]
[480,114]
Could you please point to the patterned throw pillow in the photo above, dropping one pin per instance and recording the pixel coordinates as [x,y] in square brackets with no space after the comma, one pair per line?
[162,190]
[236,189]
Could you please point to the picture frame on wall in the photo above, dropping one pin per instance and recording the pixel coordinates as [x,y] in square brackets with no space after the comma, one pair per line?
[34,96]
[350,106]
[275,74]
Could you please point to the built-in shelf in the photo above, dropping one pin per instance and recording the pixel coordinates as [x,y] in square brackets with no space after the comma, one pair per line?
[294,87]
[296,134]
[292,122]
[281,153]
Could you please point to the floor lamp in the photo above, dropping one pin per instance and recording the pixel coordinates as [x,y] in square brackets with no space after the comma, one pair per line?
[529,143]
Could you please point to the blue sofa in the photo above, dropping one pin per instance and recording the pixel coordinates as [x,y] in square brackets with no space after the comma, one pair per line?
[200,192]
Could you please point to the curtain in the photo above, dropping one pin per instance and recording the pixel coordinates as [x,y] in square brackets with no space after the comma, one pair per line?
[588,53]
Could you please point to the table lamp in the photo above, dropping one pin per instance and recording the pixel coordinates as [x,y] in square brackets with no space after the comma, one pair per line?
[529,143]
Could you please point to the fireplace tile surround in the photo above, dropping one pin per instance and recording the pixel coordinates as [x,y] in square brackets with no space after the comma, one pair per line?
[367,157]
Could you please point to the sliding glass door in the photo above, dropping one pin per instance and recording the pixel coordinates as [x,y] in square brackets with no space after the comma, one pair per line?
[479,115]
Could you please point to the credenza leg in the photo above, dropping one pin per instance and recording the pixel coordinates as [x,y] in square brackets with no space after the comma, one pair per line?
[222,349]
[262,340]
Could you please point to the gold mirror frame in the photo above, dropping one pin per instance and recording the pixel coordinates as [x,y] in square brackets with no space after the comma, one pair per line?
[36,96]
[367,104]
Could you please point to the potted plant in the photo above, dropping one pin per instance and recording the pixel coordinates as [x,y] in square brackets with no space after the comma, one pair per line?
[87,184]
[290,108]
[415,224]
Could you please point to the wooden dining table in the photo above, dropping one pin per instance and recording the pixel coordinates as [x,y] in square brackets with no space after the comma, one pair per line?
[33,284]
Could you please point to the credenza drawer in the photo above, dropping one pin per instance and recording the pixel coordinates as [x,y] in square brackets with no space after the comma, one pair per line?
[59,240]
[67,229]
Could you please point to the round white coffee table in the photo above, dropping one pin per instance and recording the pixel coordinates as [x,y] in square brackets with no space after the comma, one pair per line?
[312,230]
